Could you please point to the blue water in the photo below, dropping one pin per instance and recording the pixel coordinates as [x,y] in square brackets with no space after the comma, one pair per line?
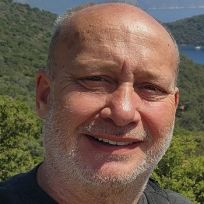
[197,55]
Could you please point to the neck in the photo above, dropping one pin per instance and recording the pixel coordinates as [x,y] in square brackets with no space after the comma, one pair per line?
[66,191]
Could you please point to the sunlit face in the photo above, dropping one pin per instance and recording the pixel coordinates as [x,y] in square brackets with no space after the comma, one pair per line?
[112,103]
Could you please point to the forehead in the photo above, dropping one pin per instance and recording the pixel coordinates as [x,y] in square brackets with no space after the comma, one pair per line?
[128,35]
[110,18]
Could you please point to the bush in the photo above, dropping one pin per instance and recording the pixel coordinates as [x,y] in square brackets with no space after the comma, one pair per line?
[20,147]
[182,169]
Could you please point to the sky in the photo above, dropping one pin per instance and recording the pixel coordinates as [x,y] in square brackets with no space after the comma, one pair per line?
[56,6]
[163,10]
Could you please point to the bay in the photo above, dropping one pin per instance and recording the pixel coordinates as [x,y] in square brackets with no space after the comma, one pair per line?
[194,53]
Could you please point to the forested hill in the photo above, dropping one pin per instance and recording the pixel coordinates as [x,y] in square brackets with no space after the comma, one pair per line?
[24,39]
[189,30]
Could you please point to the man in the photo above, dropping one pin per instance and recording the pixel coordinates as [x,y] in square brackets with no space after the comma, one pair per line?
[108,101]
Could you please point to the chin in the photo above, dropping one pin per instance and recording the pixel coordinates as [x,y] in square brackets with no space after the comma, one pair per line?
[113,173]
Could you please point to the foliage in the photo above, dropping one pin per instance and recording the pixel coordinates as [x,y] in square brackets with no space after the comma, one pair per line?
[191,86]
[20,147]
[24,37]
[189,30]
[182,168]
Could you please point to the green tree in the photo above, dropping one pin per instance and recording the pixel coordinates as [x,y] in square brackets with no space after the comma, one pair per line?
[182,168]
[20,147]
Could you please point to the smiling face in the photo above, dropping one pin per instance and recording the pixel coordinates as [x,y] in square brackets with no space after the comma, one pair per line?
[112,100]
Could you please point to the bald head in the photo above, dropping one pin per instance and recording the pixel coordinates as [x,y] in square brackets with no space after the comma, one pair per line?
[76,28]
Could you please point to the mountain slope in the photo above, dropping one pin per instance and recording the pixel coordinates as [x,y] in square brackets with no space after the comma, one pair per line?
[189,30]
[24,37]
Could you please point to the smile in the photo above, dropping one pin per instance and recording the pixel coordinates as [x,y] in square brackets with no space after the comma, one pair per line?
[111,142]
[106,141]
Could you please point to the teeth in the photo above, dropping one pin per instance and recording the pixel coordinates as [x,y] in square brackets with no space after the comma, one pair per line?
[123,143]
[113,142]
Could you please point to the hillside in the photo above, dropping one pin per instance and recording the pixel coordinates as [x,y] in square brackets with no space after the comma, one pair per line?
[24,39]
[190,114]
[189,30]
[24,36]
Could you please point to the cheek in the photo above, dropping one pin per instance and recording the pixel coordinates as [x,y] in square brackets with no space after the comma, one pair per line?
[159,118]
[68,113]
[82,106]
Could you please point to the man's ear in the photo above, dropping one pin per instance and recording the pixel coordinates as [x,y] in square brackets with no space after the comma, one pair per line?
[42,93]
[176,95]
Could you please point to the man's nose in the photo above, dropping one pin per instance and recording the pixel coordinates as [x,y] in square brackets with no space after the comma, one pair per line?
[122,106]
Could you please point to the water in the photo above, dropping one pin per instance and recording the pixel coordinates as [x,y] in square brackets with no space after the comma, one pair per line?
[197,55]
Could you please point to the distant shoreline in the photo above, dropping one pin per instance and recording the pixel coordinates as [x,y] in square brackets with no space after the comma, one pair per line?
[175,7]
[196,47]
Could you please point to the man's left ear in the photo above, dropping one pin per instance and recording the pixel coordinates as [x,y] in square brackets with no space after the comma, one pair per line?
[42,93]
[176,95]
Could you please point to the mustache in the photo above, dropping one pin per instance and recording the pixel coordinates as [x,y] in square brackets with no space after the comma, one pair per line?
[106,128]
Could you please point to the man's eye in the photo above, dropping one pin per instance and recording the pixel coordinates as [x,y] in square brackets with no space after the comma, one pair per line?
[97,83]
[152,88]
[94,78]
[150,91]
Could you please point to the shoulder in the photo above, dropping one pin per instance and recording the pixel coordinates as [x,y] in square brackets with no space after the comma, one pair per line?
[156,194]
[11,191]
[5,195]
[177,198]
[23,188]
